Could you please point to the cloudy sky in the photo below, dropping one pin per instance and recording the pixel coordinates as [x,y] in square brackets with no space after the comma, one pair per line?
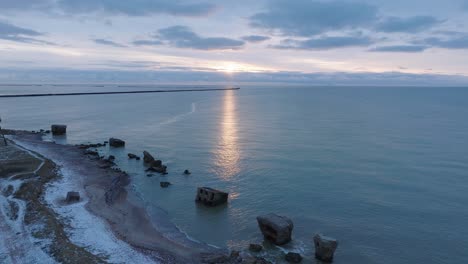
[265,40]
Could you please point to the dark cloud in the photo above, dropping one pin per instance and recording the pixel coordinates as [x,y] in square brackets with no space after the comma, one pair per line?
[137,8]
[146,42]
[400,48]
[325,43]
[108,43]
[118,7]
[23,4]
[410,24]
[255,38]
[19,34]
[307,18]
[457,42]
[184,37]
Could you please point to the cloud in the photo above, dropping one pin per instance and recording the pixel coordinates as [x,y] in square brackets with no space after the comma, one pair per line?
[255,38]
[145,42]
[115,7]
[400,48]
[23,4]
[308,18]
[108,43]
[409,25]
[324,43]
[189,76]
[184,37]
[458,42]
[19,34]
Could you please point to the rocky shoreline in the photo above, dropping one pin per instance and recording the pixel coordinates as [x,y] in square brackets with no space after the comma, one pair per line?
[103,191]
[105,195]
[75,181]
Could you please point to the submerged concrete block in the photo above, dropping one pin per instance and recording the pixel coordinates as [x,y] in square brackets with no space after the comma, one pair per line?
[276,228]
[59,129]
[211,197]
[325,247]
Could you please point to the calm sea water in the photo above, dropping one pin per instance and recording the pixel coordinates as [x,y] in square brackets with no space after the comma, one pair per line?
[383,170]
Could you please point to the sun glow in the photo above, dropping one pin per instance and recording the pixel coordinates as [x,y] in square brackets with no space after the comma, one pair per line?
[233,67]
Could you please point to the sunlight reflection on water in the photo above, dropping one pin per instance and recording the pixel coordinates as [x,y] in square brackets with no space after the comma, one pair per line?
[227,153]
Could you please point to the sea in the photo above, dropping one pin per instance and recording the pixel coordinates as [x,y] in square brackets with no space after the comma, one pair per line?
[384,170]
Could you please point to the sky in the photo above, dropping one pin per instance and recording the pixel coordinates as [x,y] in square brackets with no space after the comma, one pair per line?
[302,41]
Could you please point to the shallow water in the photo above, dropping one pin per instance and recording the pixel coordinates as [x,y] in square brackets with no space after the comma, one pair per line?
[383,170]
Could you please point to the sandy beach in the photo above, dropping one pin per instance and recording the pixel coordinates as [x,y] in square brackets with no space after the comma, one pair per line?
[104,226]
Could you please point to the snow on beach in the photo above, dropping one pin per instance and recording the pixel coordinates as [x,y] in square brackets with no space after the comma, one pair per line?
[85,229]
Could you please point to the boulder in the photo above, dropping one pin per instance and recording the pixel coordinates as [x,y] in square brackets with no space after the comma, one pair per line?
[325,247]
[255,247]
[292,257]
[72,197]
[255,260]
[164,184]
[111,158]
[276,228]
[211,197]
[187,172]
[147,157]
[91,152]
[116,143]
[59,129]
[161,169]
[133,156]
[156,163]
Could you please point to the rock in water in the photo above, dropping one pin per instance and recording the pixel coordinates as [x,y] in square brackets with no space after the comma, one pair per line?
[276,228]
[156,163]
[292,257]
[147,157]
[59,129]
[211,197]
[116,143]
[187,172]
[164,184]
[133,156]
[255,247]
[72,197]
[325,247]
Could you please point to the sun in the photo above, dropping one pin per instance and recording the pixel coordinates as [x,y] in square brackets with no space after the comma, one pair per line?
[230,67]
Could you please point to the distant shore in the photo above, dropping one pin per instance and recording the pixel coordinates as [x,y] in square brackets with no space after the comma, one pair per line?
[104,195]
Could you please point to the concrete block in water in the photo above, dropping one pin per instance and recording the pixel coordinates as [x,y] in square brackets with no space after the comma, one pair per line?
[276,228]
[211,197]
[59,129]
[325,247]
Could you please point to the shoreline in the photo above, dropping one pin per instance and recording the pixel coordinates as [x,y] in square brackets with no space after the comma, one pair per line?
[111,215]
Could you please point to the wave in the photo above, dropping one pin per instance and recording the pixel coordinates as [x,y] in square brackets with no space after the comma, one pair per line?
[179,117]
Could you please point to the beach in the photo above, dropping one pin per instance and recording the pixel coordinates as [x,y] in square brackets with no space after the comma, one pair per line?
[94,230]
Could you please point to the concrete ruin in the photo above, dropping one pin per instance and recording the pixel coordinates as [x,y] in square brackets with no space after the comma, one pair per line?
[72,197]
[325,247]
[276,228]
[58,129]
[211,197]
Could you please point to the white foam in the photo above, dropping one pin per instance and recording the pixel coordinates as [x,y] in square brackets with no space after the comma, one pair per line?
[86,229]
